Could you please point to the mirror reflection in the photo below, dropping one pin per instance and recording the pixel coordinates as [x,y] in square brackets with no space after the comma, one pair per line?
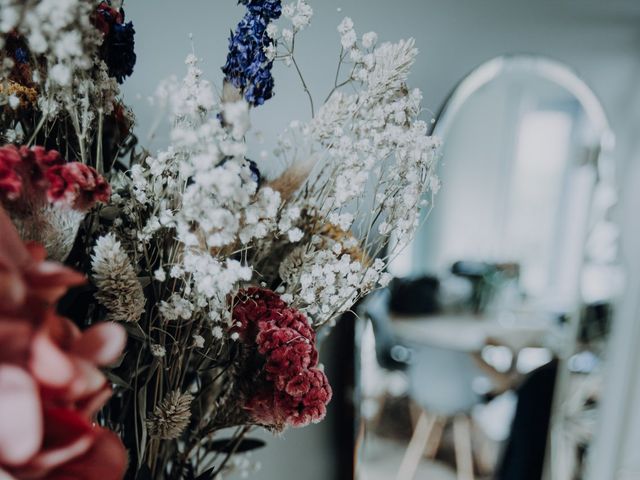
[484,357]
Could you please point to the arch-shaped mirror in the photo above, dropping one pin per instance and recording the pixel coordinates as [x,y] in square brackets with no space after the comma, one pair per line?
[519,257]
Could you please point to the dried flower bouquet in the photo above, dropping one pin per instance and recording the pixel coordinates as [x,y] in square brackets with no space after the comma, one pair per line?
[221,278]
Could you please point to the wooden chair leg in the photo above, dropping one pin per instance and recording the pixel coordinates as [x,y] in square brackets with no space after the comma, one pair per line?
[433,444]
[416,447]
[462,444]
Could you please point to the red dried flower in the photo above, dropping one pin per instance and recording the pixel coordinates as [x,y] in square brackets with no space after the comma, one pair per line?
[77,185]
[41,174]
[288,360]
[303,401]
[10,181]
[105,17]
[293,391]
[256,306]
[43,158]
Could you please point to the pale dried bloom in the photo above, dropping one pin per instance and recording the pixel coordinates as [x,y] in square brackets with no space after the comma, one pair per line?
[158,350]
[118,287]
[171,416]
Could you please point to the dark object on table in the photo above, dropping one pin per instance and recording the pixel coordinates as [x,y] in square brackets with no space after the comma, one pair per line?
[524,455]
[390,353]
[414,296]
[486,278]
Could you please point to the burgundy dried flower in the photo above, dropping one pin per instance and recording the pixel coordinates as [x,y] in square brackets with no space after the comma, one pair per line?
[77,185]
[293,392]
[43,158]
[39,175]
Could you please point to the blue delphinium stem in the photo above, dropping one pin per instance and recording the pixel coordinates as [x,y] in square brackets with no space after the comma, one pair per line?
[248,68]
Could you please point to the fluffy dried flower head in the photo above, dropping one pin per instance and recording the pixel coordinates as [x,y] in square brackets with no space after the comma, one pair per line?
[118,287]
[171,416]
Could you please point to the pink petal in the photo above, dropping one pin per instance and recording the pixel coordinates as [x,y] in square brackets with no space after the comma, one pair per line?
[20,416]
[93,403]
[15,341]
[67,436]
[13,290]
[50,365]
[101,344]
[107,460]
[5,475]
[87,381]
[12,250]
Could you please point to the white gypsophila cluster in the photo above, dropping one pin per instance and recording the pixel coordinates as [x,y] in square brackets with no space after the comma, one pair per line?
[326,283]
[373,141]
[298,15]
[200,193]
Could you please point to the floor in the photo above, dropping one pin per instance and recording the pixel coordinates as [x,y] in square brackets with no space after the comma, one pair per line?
[381,459]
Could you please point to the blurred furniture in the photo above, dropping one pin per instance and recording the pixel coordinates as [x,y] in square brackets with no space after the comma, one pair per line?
[523,458]
[448,377]
[445,384]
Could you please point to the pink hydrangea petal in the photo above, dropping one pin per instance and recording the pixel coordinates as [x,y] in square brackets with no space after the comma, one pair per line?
[50,365]
[101,344]
[20,416]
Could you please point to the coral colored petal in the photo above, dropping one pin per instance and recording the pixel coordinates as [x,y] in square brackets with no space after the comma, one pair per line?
[20,416]
[93,403]
[87,381]
[50,365]
[101,344]
[67,436]
[107,460]
[13,290]
[12,250]
[49,280]
[15,341]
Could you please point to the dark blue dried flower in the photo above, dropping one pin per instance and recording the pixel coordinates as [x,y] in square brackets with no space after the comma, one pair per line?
[248,68]
[21,55]
[118,47]
[120,55]
[269,9]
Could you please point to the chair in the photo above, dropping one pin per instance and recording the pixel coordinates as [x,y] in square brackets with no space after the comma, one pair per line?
[444,385]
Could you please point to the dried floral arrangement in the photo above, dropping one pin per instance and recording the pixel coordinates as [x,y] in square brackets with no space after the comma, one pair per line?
[221,279]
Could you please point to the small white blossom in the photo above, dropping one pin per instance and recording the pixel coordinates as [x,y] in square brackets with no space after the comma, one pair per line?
[158,351]
[198,341]
[295,235]
[369,39]
[287,35]
[160,275]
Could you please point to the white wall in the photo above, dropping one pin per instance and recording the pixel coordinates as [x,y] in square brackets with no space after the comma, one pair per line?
[601,39]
